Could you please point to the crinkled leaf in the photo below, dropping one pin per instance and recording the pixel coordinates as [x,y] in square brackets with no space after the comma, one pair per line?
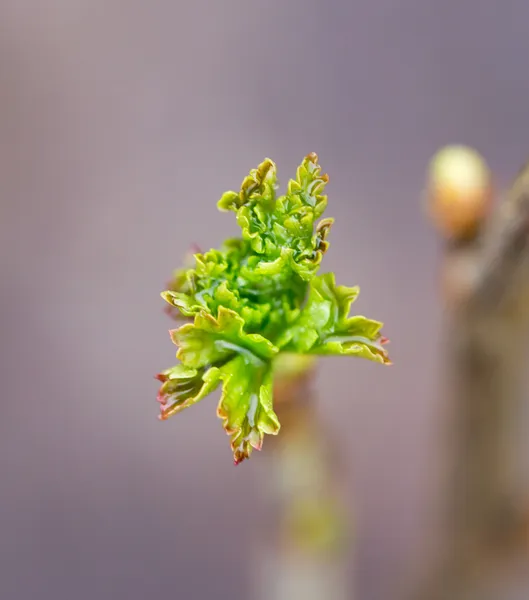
[324,326]
[211,340]
[183,386]
[283,231]
[261,183]
[246,407]
[180,286]
[259,295]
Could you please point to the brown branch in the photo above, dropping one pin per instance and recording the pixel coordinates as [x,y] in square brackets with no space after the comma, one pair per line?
[488,291]
[304,541]
[503,266]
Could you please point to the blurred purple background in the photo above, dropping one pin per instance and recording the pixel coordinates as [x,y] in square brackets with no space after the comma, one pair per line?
[121,124]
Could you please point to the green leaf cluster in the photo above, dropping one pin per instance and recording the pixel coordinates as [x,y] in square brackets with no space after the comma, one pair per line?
[257,297]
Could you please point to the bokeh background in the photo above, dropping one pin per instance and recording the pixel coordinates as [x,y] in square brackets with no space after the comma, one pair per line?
[121,123]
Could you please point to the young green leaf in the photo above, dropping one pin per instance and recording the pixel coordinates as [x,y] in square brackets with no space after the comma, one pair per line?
[210,340]
[324,326]
[246,407]
[183,386]
[258,299]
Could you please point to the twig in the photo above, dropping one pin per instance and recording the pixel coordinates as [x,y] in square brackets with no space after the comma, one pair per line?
[304,542]
[487,276]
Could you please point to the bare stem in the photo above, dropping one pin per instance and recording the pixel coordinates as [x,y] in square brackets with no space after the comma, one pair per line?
[486,520]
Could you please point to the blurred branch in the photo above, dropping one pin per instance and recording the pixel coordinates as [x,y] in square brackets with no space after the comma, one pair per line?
[304,542]
[503,273]
[486,287]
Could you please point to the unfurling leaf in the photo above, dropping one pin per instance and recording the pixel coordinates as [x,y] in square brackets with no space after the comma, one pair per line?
[246,406]
[183,386]
[324,327]
[257,297]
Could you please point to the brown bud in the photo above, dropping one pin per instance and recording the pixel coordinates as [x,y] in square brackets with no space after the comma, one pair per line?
[459,191]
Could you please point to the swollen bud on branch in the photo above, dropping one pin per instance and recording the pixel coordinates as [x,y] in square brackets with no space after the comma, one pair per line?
[459,191]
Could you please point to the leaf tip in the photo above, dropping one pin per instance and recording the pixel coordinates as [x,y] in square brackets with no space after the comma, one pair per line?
[229,201]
